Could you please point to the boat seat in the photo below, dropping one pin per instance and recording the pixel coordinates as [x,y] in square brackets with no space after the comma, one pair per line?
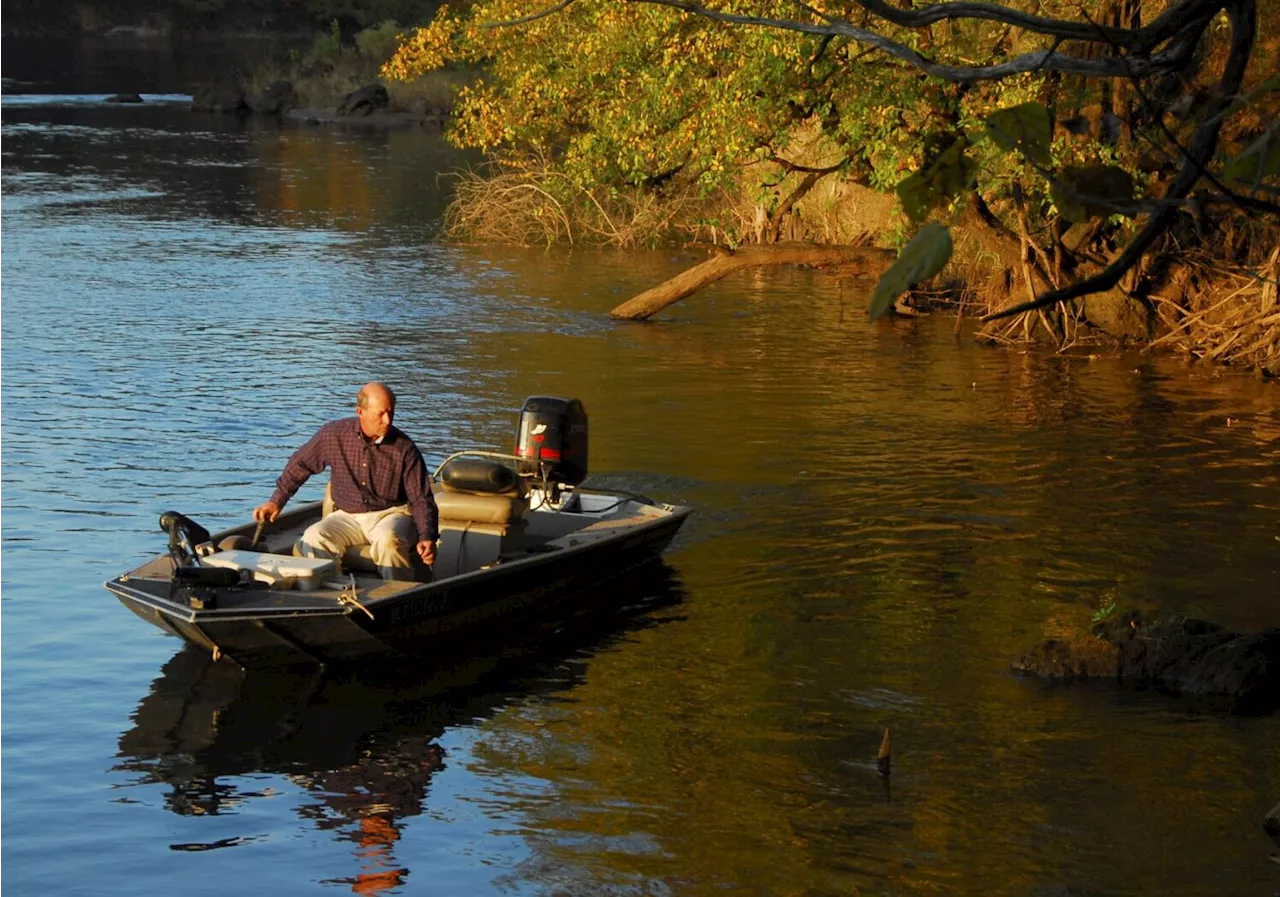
[360,557]
[475,530]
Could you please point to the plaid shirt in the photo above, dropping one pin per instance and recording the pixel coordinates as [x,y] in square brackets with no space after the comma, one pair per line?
[366,475]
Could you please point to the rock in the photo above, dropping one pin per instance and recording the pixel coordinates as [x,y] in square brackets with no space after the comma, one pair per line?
[1120,315]
[275,98]
[426,108]
[124,98]
[1271,824]
[364,100]
[1178,654]
[222,97]
[1085,658]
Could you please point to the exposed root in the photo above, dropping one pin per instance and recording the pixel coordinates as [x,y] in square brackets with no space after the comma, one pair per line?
[1237,322]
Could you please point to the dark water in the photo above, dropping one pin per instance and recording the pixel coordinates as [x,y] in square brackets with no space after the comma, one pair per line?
[885,515]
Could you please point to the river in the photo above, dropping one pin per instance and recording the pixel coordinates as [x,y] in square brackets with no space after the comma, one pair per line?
[885,515]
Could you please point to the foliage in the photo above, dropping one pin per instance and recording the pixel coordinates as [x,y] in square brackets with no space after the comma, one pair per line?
[630,94]
[326,46]
[334,67]
[1068,115]
[924,256]
[378,43]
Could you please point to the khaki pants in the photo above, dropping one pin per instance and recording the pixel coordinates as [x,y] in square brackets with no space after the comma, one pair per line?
[391,535]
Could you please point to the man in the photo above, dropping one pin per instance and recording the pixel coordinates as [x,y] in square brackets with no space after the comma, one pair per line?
[379,484]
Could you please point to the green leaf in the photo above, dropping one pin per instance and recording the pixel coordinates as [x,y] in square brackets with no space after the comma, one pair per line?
[1075,185]
[1259,161]
[1103,614]
[924,256]
[952,172]
[1027,128]
[917,196]
[949,174]
[1067,205]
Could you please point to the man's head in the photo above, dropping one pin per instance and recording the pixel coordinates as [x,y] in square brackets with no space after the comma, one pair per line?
[376,408]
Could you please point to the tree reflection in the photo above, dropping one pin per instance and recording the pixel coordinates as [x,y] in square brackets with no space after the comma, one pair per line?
[360,743]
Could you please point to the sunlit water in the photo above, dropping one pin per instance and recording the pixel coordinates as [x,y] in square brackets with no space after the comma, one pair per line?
[885,516]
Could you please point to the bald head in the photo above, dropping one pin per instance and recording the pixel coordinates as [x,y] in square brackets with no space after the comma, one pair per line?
[370,391]
[376,407]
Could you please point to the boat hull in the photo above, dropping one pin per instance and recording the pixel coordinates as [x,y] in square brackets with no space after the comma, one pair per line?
[432,620]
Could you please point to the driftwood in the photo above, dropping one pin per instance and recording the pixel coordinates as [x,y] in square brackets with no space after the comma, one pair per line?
[865,260]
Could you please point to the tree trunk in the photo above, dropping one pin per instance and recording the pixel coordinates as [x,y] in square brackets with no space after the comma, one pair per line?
[866,260]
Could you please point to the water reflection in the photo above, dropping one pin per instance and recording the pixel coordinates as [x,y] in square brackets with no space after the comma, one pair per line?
[359,744]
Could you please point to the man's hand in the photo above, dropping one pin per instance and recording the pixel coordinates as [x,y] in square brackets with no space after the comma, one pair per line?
[427,551]
[267,512]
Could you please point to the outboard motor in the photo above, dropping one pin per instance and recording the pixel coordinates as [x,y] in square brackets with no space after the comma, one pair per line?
[553,432]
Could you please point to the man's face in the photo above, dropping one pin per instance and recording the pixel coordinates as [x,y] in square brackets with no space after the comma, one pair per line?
[376,415]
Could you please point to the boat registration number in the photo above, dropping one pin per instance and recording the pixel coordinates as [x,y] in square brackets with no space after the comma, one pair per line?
[420,606]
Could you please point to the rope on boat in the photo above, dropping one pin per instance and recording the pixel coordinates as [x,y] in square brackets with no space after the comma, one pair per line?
[348,595]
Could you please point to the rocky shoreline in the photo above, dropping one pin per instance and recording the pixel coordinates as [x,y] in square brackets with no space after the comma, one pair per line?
[1237,672]
[368,106]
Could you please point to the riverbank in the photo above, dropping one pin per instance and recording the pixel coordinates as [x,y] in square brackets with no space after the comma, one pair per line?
[153,20]
[307,64]
[380,118]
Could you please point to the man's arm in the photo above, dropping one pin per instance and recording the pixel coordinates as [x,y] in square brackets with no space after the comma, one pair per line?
[417,489]
[303,464]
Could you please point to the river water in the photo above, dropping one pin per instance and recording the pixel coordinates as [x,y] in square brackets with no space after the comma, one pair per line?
[885,515]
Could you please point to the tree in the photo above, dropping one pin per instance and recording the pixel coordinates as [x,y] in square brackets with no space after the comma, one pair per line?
[648,91]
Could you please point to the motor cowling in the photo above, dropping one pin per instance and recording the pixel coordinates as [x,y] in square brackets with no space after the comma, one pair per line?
[553,432]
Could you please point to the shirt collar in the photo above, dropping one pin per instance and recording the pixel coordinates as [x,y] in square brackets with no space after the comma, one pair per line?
[365,439]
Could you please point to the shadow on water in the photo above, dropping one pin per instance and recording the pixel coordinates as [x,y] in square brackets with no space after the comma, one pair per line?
[361,742]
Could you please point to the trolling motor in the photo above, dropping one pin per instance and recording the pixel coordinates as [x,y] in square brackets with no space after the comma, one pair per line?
[188,575]
[184,535]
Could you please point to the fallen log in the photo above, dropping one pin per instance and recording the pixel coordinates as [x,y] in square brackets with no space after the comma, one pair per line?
[864,260]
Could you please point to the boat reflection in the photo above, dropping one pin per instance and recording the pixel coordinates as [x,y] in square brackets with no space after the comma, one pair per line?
[360,741]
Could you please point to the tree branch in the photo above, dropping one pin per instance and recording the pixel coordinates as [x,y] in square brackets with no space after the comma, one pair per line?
[1243,17]
[532,17]
[1167,61]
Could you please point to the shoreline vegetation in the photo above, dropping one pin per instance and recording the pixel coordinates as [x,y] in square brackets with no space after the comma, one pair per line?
[334,80]
[820,174]
[1072,173]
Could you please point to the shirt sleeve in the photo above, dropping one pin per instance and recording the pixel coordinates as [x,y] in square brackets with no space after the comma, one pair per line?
[417,489]
[303,464]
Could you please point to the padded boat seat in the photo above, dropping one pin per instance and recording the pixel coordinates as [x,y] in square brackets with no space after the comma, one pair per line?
[476,507]
[360,557]
[476,528]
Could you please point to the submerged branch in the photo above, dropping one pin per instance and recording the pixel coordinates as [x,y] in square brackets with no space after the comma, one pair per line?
[650,302]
